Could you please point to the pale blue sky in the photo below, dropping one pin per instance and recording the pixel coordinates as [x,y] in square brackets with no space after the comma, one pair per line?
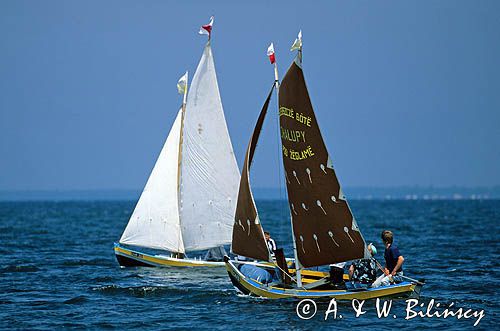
[406,92]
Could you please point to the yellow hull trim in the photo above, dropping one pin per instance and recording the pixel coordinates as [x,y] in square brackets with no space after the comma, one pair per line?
[164,261]
[315,274]
[272,292]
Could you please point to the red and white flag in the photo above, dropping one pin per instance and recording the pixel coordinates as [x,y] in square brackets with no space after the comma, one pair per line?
[207,29]
[270,53]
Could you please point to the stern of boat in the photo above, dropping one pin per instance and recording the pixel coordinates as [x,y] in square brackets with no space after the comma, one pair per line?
[415,294]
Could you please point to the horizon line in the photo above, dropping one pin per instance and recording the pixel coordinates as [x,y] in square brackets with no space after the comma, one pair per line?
[269,193]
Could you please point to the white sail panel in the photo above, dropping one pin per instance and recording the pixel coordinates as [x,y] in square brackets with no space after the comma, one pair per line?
[209,172]
[155,220]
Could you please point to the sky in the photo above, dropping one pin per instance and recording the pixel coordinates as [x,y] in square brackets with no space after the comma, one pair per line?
[406,92]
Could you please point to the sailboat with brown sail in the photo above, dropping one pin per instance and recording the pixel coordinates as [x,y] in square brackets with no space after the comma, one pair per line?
[324,229]
[189,200]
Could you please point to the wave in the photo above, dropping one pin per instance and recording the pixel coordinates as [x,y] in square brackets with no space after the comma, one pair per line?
[19,268]
[82,262]
[39,232]
[102,279]
[140,291]
[76,300]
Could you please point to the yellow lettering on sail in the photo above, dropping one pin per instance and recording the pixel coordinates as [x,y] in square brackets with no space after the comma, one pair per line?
[293,135]
[285,151]
[286,112]
[303,119]
[301,155]
[299,117]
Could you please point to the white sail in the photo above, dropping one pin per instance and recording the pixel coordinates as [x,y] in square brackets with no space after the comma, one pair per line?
[209,172]
[155,220]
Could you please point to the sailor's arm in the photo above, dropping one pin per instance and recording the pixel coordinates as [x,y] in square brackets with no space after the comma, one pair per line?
[386,271]
[401,259]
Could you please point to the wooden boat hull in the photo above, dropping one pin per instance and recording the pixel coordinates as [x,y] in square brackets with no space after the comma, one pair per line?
[252,287]
[130,258]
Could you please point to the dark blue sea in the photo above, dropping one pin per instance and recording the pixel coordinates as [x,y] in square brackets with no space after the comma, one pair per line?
[58,270]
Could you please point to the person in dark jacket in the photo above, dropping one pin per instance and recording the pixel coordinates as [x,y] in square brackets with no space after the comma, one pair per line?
[393,269]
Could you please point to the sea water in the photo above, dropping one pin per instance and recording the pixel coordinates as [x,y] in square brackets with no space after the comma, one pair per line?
[58,270]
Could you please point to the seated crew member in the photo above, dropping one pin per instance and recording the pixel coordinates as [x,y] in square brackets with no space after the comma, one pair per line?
[177,255]
[364,270]
[393,262]
[337,273]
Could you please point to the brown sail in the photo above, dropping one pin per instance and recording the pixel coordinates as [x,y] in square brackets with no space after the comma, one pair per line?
[248,236]
[324,228]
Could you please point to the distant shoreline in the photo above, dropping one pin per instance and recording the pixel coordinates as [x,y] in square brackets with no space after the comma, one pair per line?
[352,193]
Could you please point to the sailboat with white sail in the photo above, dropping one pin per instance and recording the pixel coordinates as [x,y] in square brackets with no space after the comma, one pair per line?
[324,229]
[189,200]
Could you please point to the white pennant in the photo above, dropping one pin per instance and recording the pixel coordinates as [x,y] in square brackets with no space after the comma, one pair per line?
[182,84]
[297,44]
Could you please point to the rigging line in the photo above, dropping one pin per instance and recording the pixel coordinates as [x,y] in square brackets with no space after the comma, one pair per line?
[286,273]
[289,275]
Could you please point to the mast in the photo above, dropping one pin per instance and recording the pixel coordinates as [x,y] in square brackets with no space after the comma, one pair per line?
[272,58]
[182,88]
[298,266]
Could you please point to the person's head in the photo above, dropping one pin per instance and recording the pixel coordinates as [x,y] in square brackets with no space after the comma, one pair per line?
[387,237]
[372,249]
[267,235]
